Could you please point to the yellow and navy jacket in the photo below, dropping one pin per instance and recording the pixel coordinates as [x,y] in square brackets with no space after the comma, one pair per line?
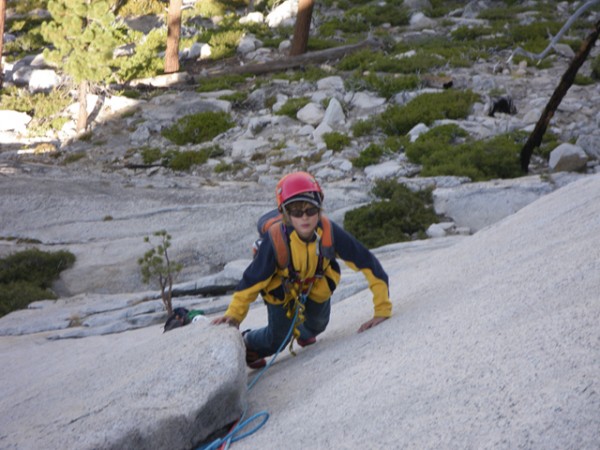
[264,277]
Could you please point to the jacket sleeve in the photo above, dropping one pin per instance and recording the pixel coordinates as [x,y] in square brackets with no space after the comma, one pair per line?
[358,257]
[256,277]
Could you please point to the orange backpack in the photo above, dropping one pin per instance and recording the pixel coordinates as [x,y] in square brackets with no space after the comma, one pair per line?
[272,223]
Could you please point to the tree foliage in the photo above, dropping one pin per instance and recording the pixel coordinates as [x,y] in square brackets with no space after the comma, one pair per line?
[83,35]
[156,264]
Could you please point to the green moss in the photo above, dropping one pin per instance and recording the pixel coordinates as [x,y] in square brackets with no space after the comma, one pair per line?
[26,276]
[198,128]
[401,215]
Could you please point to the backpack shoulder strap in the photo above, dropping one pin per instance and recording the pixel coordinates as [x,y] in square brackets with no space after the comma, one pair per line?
[327,248]
[279,239]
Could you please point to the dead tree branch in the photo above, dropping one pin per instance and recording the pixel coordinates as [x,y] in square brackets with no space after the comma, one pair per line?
[555,39]
[535,139]
[288,63]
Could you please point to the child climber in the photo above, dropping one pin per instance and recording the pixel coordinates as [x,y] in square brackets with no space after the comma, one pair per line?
[296,267]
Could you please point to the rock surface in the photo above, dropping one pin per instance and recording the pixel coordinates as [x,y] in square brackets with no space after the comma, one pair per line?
[148,390]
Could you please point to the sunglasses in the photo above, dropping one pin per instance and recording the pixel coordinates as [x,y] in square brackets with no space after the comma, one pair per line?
[297,213]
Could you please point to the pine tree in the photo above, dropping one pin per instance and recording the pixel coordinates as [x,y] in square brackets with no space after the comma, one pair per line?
[174,31]
[302,27]
[82,33]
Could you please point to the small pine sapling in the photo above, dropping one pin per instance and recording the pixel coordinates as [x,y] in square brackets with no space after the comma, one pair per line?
[156,264]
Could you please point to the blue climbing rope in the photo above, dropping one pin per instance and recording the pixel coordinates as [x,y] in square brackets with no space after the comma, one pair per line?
[233,435]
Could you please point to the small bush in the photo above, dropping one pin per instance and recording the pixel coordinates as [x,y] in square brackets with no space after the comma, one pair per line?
[378,14]
[336,141]
[26,276]
[150,154]
[145,61]
[401,215]
[220,83]
[186,159]
[447,150]
[427,108]
[236,99]
[292,106]
[140,8]
[364,127]
[370,155]
[198,128]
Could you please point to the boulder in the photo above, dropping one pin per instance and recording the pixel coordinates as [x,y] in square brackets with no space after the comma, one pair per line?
[13,120]
[567,158]
[144,389]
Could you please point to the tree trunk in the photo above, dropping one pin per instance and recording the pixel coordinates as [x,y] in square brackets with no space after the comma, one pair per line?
[2,17]
[173,33]
[302,28]
[82,118]
[535,139]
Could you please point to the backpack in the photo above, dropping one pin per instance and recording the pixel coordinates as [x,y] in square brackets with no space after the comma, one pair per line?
[181,317]
[271,223]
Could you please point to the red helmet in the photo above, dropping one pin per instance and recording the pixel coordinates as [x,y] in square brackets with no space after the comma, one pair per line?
[291,186]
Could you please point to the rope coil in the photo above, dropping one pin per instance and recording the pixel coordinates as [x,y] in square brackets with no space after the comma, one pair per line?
[233,434]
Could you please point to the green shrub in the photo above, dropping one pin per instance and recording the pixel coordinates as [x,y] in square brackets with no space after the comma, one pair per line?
[344,24]
[596,68]
[220,83]
[583,80]
[150,154]
[467,33]
[236,99]
[223,167]
[26,276]
[400,216]
[427,108]
[223,43]
[364,127]
[198,128]
[292,106]
[370,155]
[45,108]
[140,8]
[145,61]
[336,141]
[378,14]
[186,159]
[447,150]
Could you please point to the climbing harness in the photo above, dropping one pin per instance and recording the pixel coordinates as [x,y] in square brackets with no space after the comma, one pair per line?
[234,434]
